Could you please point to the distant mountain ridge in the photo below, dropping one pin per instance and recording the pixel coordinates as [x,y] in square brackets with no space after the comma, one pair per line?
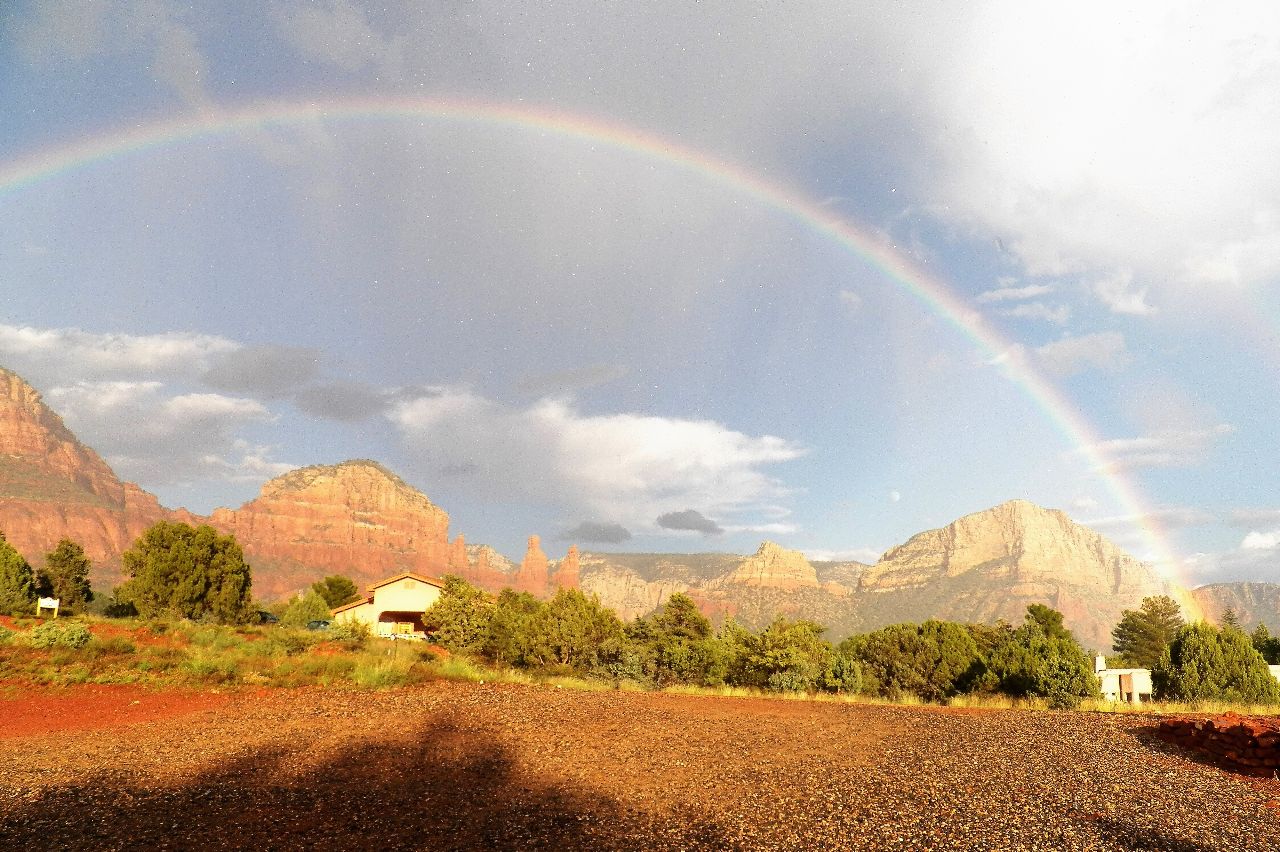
[360,519]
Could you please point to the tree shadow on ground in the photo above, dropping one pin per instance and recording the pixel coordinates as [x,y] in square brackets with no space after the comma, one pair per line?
[445,788]
[1143,838]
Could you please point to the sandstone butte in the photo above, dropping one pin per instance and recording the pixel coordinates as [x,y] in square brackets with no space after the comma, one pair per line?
[991,564]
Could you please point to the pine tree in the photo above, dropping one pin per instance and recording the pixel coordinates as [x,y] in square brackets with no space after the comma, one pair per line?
[336,590]
[1142,635]
[66,575]
[1205,663]
[1231,621]
[181,571]
[17,583]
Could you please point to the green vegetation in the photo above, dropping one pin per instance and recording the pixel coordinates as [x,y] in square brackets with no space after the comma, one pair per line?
[304,609]
[1143,635]
[180,571]
[66,575]
[68,634]
[1205,663]
[17,583]
[1266,644]
[337,590]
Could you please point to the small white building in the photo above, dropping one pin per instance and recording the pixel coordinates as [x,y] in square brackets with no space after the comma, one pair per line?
[1129,685]
[394,606]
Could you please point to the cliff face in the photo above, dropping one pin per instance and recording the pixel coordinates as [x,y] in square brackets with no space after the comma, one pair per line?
[54,487]
[355,518]
[1251,602]
[991,564]
[772,567]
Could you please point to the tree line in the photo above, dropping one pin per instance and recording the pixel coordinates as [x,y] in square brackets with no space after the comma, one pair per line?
[178,571]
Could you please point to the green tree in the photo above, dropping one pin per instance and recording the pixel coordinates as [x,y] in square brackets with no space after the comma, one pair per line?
[66,575]
[676,645]
[1042,658]
[1049,620]
[1266,644]
[181,571]
[574,631]
[336,590]
[459,618]
[1231,621]
[510,638]
[1142,635]
[1205,663]
[17,583]
[933,660]
[304,609]
[787,656]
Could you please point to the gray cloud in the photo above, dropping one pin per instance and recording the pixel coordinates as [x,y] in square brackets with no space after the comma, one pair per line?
[606,533]
[689,519]
[270,372]
[345,401]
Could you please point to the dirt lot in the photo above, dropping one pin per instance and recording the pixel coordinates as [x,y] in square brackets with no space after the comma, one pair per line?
[471,766]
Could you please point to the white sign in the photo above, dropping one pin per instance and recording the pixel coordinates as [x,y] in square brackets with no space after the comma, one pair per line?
[48,603]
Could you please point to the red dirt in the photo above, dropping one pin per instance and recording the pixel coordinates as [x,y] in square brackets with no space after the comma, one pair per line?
[79,708]
[469,766]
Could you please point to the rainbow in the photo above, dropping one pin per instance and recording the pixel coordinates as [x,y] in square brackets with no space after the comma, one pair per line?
[871,248]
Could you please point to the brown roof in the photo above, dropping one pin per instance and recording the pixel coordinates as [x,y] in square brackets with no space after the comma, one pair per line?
[352,605]
[409,575]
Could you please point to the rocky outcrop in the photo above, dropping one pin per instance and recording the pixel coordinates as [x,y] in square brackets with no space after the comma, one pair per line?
[991,564]
[355,518]
[772,567]
[569,572]
[1251,602]
[54,487]
[532,576]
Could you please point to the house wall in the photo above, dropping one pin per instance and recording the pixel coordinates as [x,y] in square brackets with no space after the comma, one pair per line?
[407,595]
[364,613]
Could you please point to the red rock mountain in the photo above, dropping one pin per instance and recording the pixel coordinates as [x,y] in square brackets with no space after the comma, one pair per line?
[52,486]
[355,518]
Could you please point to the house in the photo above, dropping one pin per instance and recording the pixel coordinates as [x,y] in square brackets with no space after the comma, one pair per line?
[394,606]
[1130,685]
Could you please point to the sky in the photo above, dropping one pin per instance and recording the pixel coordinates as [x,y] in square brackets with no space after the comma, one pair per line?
[664,276]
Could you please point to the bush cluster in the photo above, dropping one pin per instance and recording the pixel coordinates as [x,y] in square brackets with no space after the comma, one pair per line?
[57,633]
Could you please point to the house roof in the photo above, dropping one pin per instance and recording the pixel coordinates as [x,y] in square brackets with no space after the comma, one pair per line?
[352,605]
[408,575]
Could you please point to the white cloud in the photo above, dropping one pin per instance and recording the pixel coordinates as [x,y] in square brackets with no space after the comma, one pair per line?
[865,555]
[894,496]
[1118,293]
[1171,448]
[1261,540]
[151,436]
[1056,314]
[1120,139]
[58,353]
[631,467]
[1101,351]
[1014,294]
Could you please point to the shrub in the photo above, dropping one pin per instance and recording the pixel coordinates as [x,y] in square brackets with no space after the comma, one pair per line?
[348,632]
[1041,658]
[187,572]
[66,634]
[1206,663]
[305,609]
[5,634]
[17,582]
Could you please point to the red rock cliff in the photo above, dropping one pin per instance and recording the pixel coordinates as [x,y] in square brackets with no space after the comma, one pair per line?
[532,576]
[356,518]
[54,487]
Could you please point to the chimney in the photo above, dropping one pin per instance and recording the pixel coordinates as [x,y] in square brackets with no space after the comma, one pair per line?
[1099,663]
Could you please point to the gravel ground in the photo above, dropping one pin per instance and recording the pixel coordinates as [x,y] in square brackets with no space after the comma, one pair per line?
[472,766]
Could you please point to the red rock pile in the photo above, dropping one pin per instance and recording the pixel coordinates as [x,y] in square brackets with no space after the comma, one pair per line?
[1244,745]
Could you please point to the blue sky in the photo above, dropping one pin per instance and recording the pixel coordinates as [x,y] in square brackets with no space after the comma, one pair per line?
[564,337]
